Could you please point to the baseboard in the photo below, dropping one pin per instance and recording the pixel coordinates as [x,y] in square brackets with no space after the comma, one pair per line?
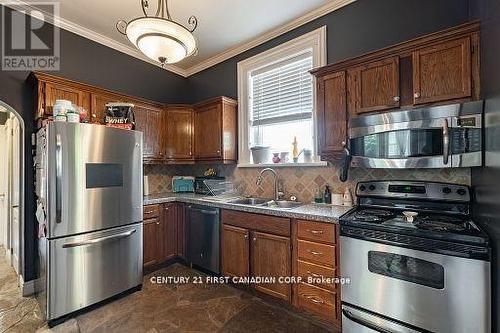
[28,288]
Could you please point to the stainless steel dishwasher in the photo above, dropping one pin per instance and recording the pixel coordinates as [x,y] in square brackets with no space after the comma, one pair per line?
[203,237]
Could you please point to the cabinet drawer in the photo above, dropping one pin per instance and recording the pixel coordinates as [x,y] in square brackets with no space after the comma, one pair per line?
[272,224]
[307,270]
[151,211]
[318,301]
[316,231]
[318,253]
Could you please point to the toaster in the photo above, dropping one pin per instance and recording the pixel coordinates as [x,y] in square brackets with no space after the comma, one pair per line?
[182,184]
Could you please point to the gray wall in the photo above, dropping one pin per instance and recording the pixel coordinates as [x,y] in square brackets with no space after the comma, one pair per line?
[486,180]
[363,26]
[86,61]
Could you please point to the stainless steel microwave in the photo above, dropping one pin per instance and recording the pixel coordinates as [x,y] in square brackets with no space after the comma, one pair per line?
[447,136]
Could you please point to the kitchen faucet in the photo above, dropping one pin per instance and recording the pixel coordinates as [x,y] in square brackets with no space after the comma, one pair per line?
[277,193]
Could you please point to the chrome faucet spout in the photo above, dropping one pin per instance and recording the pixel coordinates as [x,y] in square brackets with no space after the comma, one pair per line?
[275,178]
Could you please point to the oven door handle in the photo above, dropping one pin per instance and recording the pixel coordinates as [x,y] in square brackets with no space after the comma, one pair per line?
[349,315]
[446,142]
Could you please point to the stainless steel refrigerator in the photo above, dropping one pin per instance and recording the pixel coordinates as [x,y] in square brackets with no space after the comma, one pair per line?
[89,190]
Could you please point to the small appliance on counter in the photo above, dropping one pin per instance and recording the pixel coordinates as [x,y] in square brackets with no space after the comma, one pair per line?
[183,184]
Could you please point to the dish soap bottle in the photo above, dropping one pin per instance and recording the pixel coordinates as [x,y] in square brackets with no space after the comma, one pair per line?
[328,195]
[347,199]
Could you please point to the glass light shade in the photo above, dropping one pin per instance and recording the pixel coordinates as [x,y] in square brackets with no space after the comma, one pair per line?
[159,38]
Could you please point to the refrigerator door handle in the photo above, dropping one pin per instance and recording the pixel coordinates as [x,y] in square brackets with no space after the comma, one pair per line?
[99,240]
[58,178]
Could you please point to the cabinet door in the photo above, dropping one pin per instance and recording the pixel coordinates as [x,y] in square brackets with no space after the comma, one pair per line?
[54,92]
[151,246]
[271,257]
[148,121]
[442,72]
[98,106]
[181,230]
[208,132]
[377,85]
[179,133]
[235,251]
[332,113]
[168,232]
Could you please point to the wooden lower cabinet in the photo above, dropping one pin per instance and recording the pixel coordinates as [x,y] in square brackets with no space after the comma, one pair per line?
[151,242]
[235,251]
[161,234]
[316,261]
[271,257]
[256,252]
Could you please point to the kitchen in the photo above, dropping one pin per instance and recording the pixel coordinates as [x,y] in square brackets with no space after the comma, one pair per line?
[398,116]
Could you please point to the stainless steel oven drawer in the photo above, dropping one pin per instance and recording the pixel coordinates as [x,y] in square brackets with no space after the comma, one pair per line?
[435,292]
[89,268]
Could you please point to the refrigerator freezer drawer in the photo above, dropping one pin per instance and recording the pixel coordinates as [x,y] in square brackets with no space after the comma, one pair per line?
[89,268]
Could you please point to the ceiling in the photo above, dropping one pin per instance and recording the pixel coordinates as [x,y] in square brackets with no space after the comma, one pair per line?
[225,27]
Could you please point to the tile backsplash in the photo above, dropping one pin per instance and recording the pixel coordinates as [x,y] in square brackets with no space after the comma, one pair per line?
[302,182]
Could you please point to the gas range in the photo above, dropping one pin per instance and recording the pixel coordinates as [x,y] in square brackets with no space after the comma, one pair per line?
[422,211]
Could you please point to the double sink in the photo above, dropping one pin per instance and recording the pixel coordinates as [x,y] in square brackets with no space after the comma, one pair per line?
[259,202]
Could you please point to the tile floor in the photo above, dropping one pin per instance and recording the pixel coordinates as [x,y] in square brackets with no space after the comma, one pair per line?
[158,308]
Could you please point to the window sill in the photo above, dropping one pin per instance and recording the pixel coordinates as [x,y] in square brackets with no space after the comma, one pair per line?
[282,165]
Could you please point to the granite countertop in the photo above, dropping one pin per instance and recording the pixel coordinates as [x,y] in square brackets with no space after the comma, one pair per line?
[314,212]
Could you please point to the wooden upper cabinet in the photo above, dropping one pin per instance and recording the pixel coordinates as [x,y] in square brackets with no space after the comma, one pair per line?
[148,120]
[376,85]
[442,72]
[208,138]
[98,106]
[54,91]
[271,257]
[215,130]
[235,251]
[332,113]
[178,133]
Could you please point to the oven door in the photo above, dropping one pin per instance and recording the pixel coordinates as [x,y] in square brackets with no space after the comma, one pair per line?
[410,144]
[434,292]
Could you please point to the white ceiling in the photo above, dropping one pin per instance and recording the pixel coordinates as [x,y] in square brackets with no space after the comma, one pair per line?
[222,24]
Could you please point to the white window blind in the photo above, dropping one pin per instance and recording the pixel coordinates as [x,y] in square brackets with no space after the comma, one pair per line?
[282,92]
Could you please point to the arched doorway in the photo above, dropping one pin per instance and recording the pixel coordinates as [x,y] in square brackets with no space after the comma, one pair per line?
[12,186]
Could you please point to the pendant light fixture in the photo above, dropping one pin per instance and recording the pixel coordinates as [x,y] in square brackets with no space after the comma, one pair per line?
[159,37]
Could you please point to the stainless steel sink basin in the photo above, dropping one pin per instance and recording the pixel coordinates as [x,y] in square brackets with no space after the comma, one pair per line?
[285,204]
[249,201]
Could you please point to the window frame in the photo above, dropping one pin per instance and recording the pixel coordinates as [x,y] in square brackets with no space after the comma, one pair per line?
[315,41]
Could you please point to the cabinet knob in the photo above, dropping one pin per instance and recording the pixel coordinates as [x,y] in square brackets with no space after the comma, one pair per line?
[396,98]
[246,236]
[254,239]
[416,95]
[94,115]
[218,151]
[158,222]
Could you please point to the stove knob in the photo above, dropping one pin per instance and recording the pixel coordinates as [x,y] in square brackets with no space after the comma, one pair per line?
[446,190]
[461,191]
[371,187]
[362,188]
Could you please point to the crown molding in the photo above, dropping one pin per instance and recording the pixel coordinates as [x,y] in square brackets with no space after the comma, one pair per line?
[267,36]
[205,64]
